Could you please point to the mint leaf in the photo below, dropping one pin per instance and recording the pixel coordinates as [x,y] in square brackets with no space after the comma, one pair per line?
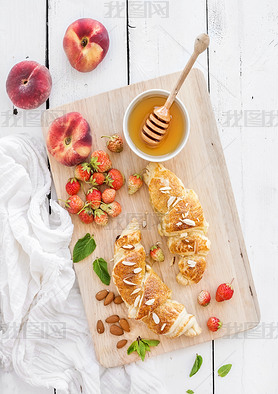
[148,349]
[142,346]
[224,370]
[197,365]
[141,350]
[151,342]
[132,348]
[83,248]
[100,268]
[190,392]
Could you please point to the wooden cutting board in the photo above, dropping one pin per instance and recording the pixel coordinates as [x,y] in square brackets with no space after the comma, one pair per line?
[201,166]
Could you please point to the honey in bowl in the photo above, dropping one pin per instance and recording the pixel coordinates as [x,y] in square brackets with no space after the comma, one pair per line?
[176,129]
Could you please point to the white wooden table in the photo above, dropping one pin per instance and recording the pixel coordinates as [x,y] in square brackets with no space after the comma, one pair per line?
[241,71]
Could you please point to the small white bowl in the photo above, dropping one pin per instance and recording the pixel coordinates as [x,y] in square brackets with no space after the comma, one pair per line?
[133,147]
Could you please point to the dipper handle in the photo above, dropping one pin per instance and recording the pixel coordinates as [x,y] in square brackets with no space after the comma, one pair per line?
[201,44]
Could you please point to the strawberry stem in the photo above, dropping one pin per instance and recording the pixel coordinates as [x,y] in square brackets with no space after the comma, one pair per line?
[105,136]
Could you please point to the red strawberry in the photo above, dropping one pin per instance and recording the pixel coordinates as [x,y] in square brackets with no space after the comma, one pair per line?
[108,196]
[97,178]
[113,209]
[134,183]
[82,172]
[114,179]
[100,161]
[93,196]
[72,186]
[101,218]
[115,143]
[214,324]
[224,292]
[74,204]
[156,253]
[86,215]
[204,298]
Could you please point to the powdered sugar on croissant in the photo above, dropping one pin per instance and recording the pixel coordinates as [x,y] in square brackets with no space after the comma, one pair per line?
[181,220]
[146,296]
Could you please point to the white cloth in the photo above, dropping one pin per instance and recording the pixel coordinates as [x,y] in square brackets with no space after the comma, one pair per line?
[44,334]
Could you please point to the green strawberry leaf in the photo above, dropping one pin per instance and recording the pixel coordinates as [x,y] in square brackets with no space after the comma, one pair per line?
[83,248]
[100,268]
[197,365]
[224,370]
[190,391]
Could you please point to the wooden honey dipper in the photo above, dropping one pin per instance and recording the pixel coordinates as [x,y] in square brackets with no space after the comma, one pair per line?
[157,123]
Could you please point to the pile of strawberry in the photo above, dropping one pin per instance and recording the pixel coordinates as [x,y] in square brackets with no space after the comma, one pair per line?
[99,205]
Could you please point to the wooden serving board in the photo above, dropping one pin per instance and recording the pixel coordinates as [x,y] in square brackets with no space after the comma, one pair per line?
[201,166]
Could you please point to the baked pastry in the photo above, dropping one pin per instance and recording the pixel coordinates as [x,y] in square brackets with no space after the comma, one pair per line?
[181,220]
[146,296]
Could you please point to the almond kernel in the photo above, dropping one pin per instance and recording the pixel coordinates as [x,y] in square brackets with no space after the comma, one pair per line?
[100,327]
[116,330]
[109,298]
[124,324]
[121,343]
[112,319]
[101,295]
[118,300]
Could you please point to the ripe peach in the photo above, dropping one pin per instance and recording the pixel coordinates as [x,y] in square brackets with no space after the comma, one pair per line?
[28,84]
[86,43]
[69,139]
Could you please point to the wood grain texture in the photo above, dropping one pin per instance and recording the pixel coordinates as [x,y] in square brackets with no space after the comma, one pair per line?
[202,167]
[69,84]
[243,52]
[17,44]
[22,37]
[157,47]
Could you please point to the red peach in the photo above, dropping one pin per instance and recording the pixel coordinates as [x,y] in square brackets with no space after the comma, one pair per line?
[86,43]
[69,139]
[28,84]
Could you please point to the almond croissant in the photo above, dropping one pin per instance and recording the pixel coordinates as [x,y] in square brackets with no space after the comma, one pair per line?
[181,220]
[146,296]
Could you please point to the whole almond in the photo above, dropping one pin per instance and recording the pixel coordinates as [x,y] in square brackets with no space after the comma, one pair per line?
[118,300]
[124,324]
[116,330]
[109,298]
[100,327]
[121,343]
[112,319]
[101,295]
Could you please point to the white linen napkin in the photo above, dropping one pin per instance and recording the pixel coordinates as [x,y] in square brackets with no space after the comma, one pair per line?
[44,333]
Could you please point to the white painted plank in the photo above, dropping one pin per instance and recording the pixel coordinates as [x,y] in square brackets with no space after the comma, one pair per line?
[243,57]
[159,46]
[22,37]
[162,45]
[69,84]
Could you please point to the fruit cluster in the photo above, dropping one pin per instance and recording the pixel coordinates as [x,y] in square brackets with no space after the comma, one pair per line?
[224,292]
[99,205]
[85,43]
